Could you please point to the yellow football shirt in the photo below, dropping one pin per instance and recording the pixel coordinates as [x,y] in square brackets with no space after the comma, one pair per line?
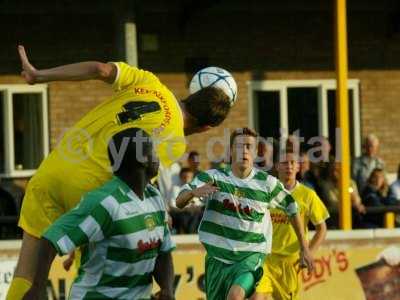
[311,208]
[80,161]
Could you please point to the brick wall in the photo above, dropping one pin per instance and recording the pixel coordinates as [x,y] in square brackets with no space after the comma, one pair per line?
[380,111]
[70,101]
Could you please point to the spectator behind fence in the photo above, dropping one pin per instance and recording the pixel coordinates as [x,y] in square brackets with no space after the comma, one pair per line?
[305,176]
[363,165]
[8,208]
[321,150]
[217,164]
[187,220]
[193,162]
[394,189]
[304,166]
[11,196]
[331,196]
[168,181]
[264,160]
[374,194]
[320,156]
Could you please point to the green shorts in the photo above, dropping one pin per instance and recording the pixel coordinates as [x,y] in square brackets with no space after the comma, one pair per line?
[220,276]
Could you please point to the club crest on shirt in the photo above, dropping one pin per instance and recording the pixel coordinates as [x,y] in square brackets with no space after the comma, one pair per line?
[238,193]
[150,222]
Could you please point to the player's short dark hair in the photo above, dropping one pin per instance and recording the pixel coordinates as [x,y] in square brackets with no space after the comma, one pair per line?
[193,154]
[242,131]
[373,173]
[288,147]
[130,155]
[208,106]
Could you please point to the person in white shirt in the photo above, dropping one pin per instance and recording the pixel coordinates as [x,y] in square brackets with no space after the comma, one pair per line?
[188,219]
[168,181]
[363,165]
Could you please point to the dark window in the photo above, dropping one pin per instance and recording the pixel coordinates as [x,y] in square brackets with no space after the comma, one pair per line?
[267,111]
[303,111]
[28,130]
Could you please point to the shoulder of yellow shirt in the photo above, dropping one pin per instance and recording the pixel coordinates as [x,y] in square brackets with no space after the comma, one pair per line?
[307,193]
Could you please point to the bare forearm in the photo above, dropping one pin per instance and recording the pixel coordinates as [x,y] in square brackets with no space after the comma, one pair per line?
[203,191]
[318,238]
[76,72]
[45,257]
[184,198]
[306,259]
[164,275]
[298,228]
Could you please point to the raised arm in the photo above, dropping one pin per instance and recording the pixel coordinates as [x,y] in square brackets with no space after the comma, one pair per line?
[106,72]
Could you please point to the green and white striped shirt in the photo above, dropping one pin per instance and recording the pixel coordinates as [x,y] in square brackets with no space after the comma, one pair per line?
[120,236]
[236,223]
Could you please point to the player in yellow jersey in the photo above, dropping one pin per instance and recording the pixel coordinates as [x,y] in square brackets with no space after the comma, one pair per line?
[80,162]
[281,278]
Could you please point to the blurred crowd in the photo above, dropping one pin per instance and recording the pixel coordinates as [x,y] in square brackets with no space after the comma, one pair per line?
[318,169]
[369,186]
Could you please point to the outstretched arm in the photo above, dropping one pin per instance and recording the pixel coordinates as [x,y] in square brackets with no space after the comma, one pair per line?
[187,195]
[74,72]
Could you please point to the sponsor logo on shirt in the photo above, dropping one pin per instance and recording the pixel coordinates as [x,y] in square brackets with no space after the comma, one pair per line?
[281,218]
[167,111]
[278,218]
[146,246]
[237,208]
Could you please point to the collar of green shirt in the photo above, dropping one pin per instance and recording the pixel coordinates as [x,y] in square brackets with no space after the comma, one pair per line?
[127,190]
[124,187]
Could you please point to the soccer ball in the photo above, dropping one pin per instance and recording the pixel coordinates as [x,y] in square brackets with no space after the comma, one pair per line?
[214,76]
